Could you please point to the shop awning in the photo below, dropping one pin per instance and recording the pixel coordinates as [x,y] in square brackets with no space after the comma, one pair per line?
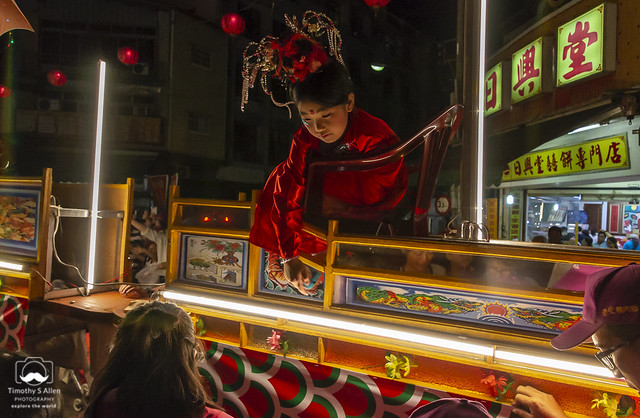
[612,148]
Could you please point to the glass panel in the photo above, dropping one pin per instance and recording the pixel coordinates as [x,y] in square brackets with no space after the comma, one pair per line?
[491,270]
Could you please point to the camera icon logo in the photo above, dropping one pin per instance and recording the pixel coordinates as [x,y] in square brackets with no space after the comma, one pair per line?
[34,371]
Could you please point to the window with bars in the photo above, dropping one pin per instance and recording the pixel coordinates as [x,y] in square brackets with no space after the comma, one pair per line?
[200,56]
[199,123]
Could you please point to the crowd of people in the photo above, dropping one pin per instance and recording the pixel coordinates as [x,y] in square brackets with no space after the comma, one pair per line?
[148,252]
[586,238]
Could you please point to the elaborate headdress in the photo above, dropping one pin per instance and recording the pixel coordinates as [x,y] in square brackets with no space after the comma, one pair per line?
[290,58]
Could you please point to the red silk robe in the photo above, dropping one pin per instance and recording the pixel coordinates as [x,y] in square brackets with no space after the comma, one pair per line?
[278,219]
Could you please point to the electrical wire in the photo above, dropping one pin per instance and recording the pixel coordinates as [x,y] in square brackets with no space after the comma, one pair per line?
[55,252]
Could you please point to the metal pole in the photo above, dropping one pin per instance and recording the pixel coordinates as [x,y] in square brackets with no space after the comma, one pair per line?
[471,170]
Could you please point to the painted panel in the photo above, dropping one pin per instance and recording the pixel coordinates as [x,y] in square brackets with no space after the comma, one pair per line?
[213,261]
[503,311]
[19,219]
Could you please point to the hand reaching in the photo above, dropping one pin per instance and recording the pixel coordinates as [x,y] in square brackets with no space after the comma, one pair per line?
[529,402]
[132,291]
[297,273]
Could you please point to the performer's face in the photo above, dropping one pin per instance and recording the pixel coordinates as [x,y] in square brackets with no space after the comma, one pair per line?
[326,123]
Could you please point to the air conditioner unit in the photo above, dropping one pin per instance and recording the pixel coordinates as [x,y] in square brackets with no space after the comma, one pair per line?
[140,69]
[48,104]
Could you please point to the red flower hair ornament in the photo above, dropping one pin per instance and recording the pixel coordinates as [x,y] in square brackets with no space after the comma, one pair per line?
[292,57]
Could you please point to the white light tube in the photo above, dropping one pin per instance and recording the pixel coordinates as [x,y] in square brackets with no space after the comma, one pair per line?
[95,191]
[447,343]
[11,266]
[546,362]
[585,128]
[481,99]
[434,341]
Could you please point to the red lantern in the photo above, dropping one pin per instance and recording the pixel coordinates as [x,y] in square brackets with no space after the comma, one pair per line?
[56,78]
[5,91]
[232,24]
[376,3]
[127,55]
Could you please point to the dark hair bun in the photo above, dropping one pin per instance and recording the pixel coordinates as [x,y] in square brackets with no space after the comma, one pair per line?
[328,86]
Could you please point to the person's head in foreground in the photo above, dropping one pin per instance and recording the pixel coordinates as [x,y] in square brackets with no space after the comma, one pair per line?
[611,317]
[451,408]
[151,370]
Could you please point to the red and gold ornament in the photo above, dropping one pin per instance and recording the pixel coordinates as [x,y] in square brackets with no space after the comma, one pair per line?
[299,56]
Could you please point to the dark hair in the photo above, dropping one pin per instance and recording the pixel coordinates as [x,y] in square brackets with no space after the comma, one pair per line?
[555,228]
[613,240]
[328,86]
[588,239]
[152,365]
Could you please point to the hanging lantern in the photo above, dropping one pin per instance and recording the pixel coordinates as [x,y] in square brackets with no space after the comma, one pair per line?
[56,78]
[232,24]
[5,91]
[376,4]
[127,55]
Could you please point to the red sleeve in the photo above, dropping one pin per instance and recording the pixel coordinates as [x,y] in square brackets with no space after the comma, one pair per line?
[278,218]
[380,189]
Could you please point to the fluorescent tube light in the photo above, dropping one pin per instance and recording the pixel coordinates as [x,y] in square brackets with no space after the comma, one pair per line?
[480,104]
[547,362]
[95,191]
[523,360]
[11,266]
[585,128]
[447,343]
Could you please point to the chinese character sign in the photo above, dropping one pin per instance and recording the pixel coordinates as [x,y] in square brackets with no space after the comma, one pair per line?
[526,71]
[493,90]
[602,154]
[580,47]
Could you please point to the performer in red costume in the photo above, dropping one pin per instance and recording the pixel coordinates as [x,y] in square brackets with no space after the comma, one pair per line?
[333,128]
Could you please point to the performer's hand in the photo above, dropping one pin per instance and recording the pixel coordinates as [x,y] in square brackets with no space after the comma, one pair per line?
[295,270]
[529,402]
